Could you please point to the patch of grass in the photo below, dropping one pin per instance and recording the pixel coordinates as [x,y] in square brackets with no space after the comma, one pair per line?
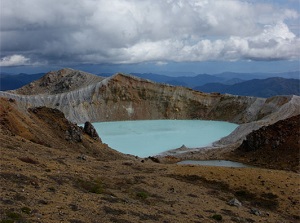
[26,210]
[13,215]
[142,195]
[52,189]
[217,217]
[7,221]
[94,186]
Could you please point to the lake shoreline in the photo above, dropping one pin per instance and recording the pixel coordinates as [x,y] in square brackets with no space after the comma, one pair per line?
[154,137]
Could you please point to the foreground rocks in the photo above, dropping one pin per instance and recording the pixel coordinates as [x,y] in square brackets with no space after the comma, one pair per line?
[91,131]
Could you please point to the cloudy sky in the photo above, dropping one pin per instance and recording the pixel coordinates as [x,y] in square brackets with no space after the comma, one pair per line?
[150,35]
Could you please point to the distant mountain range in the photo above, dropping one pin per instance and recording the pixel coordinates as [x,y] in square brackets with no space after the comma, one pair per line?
[247,84]
[259,88]
[15,81]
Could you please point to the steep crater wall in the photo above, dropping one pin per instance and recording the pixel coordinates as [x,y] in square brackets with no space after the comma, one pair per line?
[123,97]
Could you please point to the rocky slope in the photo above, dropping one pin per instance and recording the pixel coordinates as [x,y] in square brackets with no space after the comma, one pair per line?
[49,174]
[123,97]
[48,128]
[273,146]
[56,82]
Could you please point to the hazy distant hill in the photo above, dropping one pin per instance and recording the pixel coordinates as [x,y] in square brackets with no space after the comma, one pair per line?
[185,81]
[227,78]
[10,82]
[250,76]
[259,88]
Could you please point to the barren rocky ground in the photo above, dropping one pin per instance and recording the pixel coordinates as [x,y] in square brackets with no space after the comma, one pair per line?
[48,175]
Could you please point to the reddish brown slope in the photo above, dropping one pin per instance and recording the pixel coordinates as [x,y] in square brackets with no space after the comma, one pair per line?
[49,128]
[274,146]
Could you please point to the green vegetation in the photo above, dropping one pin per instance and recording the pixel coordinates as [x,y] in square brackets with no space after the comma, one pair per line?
[13,215]
[217,217]
[7,221]
[26,210]
[142,195]
[94,186]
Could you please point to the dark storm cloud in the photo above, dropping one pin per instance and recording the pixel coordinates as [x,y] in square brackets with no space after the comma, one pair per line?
[133,31]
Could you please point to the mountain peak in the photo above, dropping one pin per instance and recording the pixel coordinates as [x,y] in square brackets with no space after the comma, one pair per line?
[55,82]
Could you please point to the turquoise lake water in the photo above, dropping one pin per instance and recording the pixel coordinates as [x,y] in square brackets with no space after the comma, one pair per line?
[151,137]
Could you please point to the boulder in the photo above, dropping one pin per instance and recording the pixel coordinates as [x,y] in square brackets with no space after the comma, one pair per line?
[74,134]
[235,202]
[90,130]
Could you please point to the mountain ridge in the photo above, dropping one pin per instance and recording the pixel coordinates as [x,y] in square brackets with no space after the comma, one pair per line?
[12,82]
[61,81]
[257,87]
[125,97]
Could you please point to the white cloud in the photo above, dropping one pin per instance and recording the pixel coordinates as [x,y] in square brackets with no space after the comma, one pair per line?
[14,60]
[131,31]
